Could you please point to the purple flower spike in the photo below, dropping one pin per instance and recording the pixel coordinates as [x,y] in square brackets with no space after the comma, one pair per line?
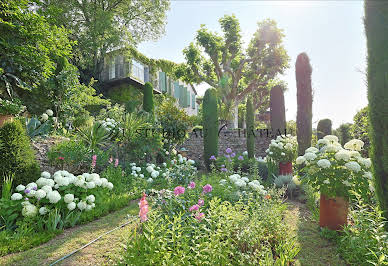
[228,150]
[224,169]
[232,155]
[212,158]
[240,158]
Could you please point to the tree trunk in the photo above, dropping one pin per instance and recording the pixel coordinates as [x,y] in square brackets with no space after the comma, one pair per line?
[233,121]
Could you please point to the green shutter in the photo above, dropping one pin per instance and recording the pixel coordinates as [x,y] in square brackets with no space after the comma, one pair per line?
[162,82]
[188,98]
[176,90]
[169,85]
[181,96]
[193,100]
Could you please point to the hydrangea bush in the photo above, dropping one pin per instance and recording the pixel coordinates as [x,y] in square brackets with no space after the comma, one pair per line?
[283,149]
[243,185]
[335,170]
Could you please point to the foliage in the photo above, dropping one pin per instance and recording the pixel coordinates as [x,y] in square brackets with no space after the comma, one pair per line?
[291,127]
[148,98]
[335,171]
[360,128]
[128,96]
[323,128]
[96,136]
[17,157]
[304,95]
[283,149]
[277,110]
[103,25]
[28,47]
[344,133]
[13,107]
[174,121]
[210,126]
[364,241]
[250,127]
[35,127]
[221,62]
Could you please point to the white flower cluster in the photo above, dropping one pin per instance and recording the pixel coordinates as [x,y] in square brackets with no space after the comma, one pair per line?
[45,116]
[243,182]
[109,124]
[45,192]
[283,148]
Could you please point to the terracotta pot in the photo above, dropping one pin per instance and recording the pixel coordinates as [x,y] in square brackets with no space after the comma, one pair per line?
[333,212]
[4,118]
[285,168]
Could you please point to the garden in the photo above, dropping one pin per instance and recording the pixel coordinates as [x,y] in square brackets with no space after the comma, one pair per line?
[91,175]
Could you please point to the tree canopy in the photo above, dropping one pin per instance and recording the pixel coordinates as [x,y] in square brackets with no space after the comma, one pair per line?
[223,63]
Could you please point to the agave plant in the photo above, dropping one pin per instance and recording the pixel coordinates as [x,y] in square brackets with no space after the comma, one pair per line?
[36,128]
[96,136]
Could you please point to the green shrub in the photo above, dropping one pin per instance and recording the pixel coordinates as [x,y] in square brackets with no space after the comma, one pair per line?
[277,110]
[344,133]
[250,128]
[323,128]
[210,126]
[148,98]
[304,95]
[17,157]
[359,129]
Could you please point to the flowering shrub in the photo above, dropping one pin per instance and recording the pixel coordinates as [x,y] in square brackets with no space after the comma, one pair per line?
[243,185]
[283,149]
[63,192]
[335,170]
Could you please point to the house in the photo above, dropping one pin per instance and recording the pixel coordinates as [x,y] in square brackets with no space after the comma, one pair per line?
[118,71]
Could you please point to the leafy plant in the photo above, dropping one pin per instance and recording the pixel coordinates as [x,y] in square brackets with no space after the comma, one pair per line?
[148,98]
[11,107]
[277,110]
[7,187]
[35,128]
[210,126]
[96,136]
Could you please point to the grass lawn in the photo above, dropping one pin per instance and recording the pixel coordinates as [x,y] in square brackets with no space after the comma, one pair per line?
[102,252]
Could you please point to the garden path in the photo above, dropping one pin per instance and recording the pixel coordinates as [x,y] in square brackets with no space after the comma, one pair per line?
[314,250]
[102,252]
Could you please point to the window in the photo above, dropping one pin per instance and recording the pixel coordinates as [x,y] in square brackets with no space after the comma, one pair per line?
[137,70]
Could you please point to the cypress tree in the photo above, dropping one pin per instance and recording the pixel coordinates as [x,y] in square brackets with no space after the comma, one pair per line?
[250,122]
[277,110]
[210,126]
[376,21]
[304,96]
[148,98]
[323,128]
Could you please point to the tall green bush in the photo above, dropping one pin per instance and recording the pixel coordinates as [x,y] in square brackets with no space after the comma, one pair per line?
[148,98]
[304,96]
[277,110]
[17,157]
[359,129]
[250,120]
[376,21]
[344,133]
[323,128]
[210,125]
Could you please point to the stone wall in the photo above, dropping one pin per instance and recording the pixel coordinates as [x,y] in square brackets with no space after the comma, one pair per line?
[234,139]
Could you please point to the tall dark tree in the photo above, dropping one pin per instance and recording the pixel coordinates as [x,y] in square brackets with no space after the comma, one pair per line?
[277,110]
[376,21]
[250,128]
[304,97]
[323,128]
[210,126]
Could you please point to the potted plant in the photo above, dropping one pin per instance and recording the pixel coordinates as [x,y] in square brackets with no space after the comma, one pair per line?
[9,108]
[283,150]
[335,171]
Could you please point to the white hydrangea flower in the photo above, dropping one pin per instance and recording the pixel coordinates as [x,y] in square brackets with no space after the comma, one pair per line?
[45,175]
[240,183]
[81,205]
[49,112]
[43,210]
[354,145]
[90,185]
[53,196]
[365,161]
[98,182]
[154,174]
[31,193]
[312,150]
[90,198]
[368,175]
[342,155]
[288,146]
[326,181]
[71,206]
[245,153]
[164,164]
[88,207]
[44,117]
[20,188]
[353,166]
[310,156]
[150,180]
[346,183]
[31,186]
[68,198]
[324,163]
[332,147]
[190,161]
[141,175]
[40,194]
[16,196]
[300,160]
[223,182]
[233,178]
[296,180]
[245,179]
[109,186]
[47,189]
[323,142]
[79,183]
[150,169]
[371,187]
[29,210]
[331,138]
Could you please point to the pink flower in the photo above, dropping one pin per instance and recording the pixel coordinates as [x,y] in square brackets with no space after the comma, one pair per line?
[61,158]
[143,205]
[207,188]
[179,190]
[199,216]
[191,185]
[194,208]
[116,162]
[110,160]
[201,202]
[94,160]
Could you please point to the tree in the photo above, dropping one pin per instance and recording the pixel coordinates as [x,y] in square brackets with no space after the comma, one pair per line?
[376,21]
[148,98]
[210,126]
[29,46]
[323,128]
[344,133]
[360,128]
[233,72]
[250,129]
[100,26]
[304,97]
[277,111]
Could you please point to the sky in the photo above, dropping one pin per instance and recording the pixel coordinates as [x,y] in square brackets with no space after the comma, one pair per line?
[330,32]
